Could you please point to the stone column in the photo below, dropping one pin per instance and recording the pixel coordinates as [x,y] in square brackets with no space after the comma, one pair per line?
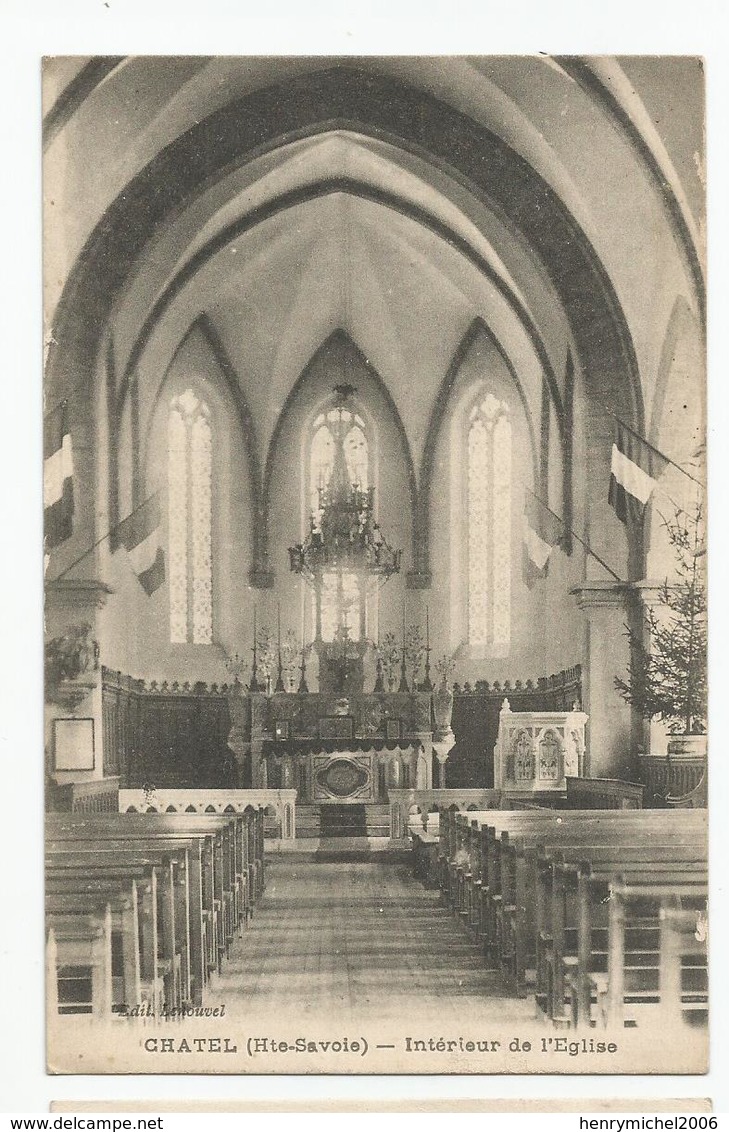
[442,757]
[614,732]
[72,610]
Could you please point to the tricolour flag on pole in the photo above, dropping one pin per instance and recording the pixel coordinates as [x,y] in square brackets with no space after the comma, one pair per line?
[542,532]
[635,468]
[57,477]
[139,534]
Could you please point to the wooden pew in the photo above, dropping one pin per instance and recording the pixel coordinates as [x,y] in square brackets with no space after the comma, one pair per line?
[242,852]
[78,963]
[490,868]
[223,867]
[217,887]
[51,985]
[190,925]
[672,908]
[190,880]
[221,862]
[139,884]
[513,927]
[483,872]
[164,944]
[125,965]
[513,823]
[475,881]
[683,948]
[425,856]
[572,947]
[256,870]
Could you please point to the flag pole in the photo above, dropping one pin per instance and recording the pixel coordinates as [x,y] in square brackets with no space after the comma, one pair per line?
[652,447]
[109,533]
[582,542]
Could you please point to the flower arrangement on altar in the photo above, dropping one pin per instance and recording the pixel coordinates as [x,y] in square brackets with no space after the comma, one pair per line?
[415,654]
[389,654]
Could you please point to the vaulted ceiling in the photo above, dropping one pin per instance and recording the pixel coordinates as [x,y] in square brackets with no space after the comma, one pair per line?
[395,198]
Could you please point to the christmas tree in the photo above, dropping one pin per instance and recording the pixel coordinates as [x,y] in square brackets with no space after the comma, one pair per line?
[667,672]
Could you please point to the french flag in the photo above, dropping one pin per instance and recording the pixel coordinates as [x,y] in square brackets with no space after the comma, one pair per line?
[140,536]
[542,531]
[57,477]
[635,468]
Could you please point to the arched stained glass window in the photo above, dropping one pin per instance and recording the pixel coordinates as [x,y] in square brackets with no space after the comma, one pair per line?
[189,484]
[321,451]
[342,599]
[489,525]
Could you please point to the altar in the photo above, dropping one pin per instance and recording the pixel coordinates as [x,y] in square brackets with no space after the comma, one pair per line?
[338,746]
[334,749]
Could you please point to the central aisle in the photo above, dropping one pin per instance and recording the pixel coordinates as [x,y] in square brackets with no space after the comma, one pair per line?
[361,938]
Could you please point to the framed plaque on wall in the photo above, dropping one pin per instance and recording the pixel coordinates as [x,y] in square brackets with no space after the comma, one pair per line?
[73,744]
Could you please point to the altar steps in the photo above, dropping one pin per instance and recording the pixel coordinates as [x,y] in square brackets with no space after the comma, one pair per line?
[318,849]
[332,822]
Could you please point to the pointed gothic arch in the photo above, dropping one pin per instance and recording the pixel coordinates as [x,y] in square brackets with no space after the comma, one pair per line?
[340,338]
[437,417]
[380,107]
[377,106]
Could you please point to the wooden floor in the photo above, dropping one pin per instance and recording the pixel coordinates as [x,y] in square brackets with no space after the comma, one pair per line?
[358,937]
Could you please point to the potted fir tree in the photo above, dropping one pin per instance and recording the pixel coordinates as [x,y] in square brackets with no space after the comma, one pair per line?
[667,673]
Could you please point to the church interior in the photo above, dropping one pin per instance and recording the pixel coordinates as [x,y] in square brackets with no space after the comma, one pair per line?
[342,577]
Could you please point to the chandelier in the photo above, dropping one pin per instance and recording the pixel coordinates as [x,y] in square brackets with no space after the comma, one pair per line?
[344,536]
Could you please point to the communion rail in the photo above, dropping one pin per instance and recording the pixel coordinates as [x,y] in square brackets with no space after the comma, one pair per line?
[279,805]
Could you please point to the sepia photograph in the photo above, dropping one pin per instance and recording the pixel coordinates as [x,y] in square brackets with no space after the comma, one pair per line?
[374,488]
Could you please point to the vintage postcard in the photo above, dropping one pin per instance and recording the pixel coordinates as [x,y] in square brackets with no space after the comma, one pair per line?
[374,490]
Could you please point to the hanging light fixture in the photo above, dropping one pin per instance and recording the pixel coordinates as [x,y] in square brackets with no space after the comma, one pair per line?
[344,536]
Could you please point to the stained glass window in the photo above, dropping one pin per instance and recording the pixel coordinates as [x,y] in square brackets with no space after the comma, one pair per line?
[321,451]
[339,606]
[489,525]
[189,480]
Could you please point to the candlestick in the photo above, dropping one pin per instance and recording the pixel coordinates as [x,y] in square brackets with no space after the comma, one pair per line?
[379,683]
[280,686]
[254,685]
[427,682]
[303,687]
[303,614]
[403,674]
